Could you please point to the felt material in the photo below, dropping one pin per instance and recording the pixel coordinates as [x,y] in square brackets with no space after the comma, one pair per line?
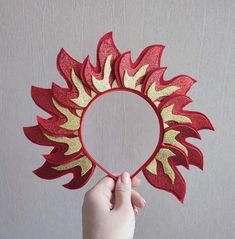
[106,48]
[49,171]
[115,71]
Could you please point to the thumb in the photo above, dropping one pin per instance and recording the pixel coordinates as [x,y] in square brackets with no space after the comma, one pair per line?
[123,191]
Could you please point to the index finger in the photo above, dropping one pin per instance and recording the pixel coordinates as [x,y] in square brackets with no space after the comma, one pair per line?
[105,183]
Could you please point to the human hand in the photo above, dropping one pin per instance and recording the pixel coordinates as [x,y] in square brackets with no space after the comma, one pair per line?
[109,208]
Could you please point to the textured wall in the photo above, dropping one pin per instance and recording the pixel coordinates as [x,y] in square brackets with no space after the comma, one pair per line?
[200,41]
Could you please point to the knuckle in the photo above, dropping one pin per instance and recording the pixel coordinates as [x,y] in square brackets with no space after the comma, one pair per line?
[122,190]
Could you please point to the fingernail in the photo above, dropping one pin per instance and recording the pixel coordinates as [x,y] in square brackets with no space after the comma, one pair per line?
[125,177]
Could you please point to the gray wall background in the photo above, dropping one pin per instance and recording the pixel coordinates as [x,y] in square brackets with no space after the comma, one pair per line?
[200,41]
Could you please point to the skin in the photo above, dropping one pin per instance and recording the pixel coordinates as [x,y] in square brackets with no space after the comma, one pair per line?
[109,208]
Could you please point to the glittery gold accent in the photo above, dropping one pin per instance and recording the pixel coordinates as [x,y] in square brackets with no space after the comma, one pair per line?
[152,167]
[163,156]
[138,87]
[157,103]
[167,115]
[73,121]
[74,144]
[83,98]
[103,85]
[115,84]
[130,81]
[79,112]
[165,125]
[170,138]
[83,162]
[154,94]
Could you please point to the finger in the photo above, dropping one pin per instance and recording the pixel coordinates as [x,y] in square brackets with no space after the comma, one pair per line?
[123,191]
[137,200]
[135,181]
[106,183]
[101,194]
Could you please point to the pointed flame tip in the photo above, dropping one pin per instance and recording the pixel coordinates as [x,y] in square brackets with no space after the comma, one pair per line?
[62,50]
[109,34]
[211,127]
[59,55]
[182,200]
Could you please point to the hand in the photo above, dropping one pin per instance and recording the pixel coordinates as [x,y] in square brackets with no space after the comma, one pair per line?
[109,208]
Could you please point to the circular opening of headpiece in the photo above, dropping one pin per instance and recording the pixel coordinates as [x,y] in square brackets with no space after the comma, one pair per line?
[120,131]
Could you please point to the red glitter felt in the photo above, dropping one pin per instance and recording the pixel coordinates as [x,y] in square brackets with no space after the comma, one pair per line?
[168,178]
